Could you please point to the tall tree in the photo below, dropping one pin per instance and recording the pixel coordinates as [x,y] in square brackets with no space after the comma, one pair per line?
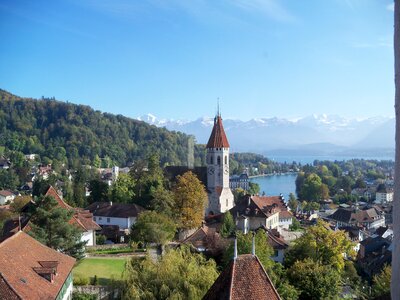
[50,225]
[396,203]
[228,225]
[321,244]
[314,280]
[179,274]
[190,200]
[122,189]
[153,227]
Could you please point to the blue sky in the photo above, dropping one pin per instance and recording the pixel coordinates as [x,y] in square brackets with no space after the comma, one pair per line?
[262,58]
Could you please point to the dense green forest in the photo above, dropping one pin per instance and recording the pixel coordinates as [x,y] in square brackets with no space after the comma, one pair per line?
[77,134]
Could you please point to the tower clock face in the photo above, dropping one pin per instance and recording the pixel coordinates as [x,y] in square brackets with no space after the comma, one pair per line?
[211,171]
[226,171]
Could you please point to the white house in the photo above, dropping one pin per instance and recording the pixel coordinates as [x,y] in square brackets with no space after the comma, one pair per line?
[121,214]
[253,212]
[384,197]
[5,196]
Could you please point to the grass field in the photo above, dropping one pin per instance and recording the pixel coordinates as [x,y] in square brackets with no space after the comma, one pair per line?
[104,268]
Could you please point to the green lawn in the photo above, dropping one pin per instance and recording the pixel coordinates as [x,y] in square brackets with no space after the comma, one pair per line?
[104,268]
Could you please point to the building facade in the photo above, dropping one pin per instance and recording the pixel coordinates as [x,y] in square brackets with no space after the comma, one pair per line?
[220,197]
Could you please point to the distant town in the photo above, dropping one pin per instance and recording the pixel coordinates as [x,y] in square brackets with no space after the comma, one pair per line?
[198,228]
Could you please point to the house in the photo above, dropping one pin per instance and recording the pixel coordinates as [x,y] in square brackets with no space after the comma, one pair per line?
[384,196]
[253,212]
[205,239]
[31,270]
[368,218]
[81,218]
[243,278]
[239,181]
[30,156]
[375,252]
[276,241]
[122,214]
[6,196]
[4,163]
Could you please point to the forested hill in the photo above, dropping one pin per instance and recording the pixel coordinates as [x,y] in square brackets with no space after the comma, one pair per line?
[77,134]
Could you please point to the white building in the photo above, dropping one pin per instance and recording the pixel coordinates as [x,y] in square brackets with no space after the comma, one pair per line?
[6,196]
[384,197]
[121,214]
[220,197]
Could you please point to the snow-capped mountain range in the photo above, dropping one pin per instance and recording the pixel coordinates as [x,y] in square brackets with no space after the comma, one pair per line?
[319,132]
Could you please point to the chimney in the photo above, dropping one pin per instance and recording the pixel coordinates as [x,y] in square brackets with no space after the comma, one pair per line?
[235,253]
[253,246]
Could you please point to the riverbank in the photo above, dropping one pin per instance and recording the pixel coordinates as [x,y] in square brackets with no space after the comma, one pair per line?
[273,174]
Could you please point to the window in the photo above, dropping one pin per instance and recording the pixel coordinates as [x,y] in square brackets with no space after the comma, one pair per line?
[226,159]
[108,220]
[212,160]
[227,202]
[94,218]
[219,160]
[100,218]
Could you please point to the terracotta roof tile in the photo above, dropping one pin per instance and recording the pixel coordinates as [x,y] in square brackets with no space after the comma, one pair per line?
[19,255]
[6,291]
[243,278]
[218,137]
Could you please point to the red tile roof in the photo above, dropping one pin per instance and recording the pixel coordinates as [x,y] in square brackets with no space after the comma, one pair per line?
[218,137]
[6,193]
[256,206]
[6,290]
[82,218]
[19,255]
[243,278]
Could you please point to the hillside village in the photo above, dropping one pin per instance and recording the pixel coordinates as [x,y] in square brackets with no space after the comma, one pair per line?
[144,214]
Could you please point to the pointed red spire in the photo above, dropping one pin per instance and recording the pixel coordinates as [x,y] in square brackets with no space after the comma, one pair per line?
[218,137]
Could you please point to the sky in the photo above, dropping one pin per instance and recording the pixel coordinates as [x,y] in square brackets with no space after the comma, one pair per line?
[175,58]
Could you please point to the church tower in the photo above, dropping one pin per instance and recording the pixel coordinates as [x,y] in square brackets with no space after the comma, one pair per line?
[220,197]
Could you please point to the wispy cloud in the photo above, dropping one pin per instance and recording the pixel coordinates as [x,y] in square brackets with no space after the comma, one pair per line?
[390,6]
[200,9]
[270,8]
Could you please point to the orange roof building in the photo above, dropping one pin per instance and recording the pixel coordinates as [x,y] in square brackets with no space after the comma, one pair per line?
[31,270]
[81,218]
[243,278]
[220,197]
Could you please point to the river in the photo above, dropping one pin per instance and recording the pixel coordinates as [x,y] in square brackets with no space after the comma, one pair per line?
[273,185]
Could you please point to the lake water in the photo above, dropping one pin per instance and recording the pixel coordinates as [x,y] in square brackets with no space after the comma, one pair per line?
[275,184]
[305,159]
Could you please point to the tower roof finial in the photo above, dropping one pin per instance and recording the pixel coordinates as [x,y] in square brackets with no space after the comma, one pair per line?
[218,109]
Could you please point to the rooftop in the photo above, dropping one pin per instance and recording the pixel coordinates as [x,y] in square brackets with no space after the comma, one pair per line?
[243,278]
[218,137]
[19,256]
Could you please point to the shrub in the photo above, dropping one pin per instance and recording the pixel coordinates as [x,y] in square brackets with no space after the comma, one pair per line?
[79,280]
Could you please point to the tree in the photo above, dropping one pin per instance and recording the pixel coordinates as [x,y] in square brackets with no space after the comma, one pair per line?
[190,200]
[19,202]
[381,282]
[254,188]
[163,200]
[322,245]
[312,188]
[244,246]
[122,190]
[314,280]
[178,274]
[98,190]
[153,227]
[293,203]
[395,289]
[228,225]
[50,226]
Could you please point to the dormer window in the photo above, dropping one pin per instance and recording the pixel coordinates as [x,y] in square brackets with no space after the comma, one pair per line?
[47,269]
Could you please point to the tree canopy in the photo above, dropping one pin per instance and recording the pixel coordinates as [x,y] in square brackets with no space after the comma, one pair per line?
[178,274]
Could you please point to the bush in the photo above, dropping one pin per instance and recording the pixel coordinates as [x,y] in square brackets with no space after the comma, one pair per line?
[295,225]
[100,239]
[79,280]
[83,296]
[95,280]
